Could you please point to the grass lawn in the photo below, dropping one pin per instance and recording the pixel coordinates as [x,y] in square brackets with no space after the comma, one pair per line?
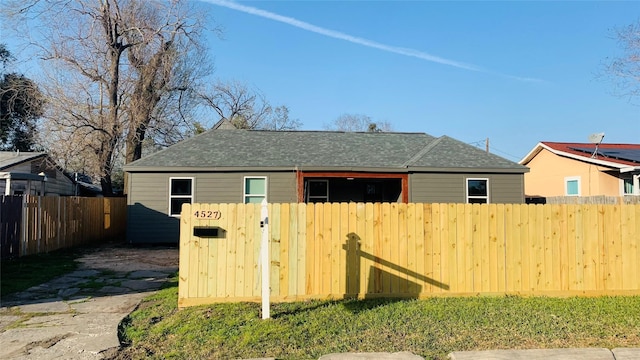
[27,271]
[430,328]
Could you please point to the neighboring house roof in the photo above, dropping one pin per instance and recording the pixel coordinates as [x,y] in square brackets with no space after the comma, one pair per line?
[322,151]
[224,124]
[625,157]
[12,158]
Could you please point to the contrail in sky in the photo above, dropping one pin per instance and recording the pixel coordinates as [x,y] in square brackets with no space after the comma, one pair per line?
[356,40]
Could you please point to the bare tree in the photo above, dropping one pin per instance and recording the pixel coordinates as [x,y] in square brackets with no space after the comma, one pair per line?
[358,123]
[165,71]
[280,121]
[625,69]
[247,108]
[115,71]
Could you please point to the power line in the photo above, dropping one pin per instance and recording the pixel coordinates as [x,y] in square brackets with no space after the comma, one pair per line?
[483,143]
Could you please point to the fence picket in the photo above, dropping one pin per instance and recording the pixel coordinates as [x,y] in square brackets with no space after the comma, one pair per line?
[337,267]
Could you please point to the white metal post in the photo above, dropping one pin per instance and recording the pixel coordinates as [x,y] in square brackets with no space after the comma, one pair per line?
[264,258]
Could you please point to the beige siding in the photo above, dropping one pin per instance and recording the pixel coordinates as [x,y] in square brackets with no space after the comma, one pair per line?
[451,187]
[229,187]
[283,188]
[147,208]
[506,188]
[436,188]
[148,199]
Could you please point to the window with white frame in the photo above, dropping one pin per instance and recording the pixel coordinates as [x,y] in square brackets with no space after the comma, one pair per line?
[477,191]
[317,191]
[255,189]
[180,192]
[572,186]
[627,186]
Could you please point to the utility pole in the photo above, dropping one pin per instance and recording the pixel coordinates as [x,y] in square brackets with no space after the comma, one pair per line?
[487,145]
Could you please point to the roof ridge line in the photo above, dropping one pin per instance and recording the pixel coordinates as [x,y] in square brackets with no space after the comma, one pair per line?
[422,152]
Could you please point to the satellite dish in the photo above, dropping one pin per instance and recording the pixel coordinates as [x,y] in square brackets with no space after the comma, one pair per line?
[596,138]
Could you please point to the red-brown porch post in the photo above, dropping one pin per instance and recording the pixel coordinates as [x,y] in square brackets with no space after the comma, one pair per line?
[300,183]
[405,188]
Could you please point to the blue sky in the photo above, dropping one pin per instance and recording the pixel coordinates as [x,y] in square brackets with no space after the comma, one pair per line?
[514,72]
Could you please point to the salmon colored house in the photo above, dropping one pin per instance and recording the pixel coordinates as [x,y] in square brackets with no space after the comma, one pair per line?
[582,169]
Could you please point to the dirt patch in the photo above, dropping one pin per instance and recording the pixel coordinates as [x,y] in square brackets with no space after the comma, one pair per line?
[130,258]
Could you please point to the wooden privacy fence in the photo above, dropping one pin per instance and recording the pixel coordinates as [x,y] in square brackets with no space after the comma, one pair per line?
[37,224]
[338,250]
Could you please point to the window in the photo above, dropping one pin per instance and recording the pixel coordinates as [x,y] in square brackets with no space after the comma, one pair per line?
[627,186]
[317,191]
[572,186]
[255,189]
[180,192]
[478,191]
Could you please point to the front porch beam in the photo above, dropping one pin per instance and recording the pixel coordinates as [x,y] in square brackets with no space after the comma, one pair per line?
[301,175]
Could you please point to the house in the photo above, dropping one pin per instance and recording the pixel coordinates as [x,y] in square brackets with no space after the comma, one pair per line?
[582,169]
[246,166]
[32,173]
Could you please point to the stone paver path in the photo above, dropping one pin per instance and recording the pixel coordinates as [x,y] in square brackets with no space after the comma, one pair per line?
[76,316]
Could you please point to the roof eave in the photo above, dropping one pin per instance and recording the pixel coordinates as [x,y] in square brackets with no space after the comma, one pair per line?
[536,150]
[591,160]
[470,170]
[166,169]
[353,169]
[21,176]
[630,169]
[135,169]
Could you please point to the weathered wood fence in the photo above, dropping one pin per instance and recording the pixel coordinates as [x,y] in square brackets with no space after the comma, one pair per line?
[37,224]
[338,250]
[598,199]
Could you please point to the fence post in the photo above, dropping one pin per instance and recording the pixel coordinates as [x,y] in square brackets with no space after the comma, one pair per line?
[24,224]
[58,224]
[39,223]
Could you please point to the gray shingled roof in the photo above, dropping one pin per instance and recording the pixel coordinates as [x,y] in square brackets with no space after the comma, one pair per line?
[245,149]
[12,158]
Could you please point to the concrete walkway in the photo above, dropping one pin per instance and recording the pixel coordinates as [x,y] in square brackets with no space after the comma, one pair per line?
[76,316]
[549,354]
[535,354]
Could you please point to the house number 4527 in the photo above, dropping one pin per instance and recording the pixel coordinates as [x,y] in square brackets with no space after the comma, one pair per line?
[208,214]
